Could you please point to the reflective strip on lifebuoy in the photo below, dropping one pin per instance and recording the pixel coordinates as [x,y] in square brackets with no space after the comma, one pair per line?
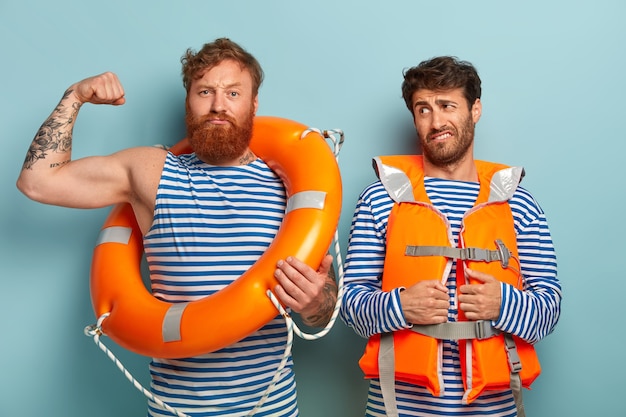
[146,325]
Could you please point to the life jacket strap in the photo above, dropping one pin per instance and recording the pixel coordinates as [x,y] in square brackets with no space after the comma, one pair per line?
[515,365]
[387,374]
[502,253]
[456,330]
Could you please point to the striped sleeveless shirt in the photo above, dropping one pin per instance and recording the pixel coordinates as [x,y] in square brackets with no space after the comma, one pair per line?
[210,225]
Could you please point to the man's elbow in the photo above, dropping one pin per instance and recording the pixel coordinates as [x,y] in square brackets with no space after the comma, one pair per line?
[30,189]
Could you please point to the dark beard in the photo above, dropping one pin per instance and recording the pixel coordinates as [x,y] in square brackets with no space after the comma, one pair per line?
[218,144]
[447,154]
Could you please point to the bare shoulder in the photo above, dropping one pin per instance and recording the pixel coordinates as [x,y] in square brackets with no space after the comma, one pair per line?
[144,165]
[142,158]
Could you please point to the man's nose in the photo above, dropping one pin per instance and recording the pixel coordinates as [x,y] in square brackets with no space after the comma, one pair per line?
[437,120]
[218,104]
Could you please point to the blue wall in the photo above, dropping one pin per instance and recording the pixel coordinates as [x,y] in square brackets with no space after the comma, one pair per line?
[553,101]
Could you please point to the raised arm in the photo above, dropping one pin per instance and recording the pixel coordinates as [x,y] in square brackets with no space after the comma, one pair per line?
[50,176]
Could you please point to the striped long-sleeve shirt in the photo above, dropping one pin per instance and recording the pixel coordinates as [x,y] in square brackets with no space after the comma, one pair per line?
[530,313]
[210,225]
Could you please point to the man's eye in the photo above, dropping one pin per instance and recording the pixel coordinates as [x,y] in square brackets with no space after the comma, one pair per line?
[234,94]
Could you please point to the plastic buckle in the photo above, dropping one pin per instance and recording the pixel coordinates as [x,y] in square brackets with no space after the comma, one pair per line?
[467,254]
[504,252]
[484,330]
[511,352]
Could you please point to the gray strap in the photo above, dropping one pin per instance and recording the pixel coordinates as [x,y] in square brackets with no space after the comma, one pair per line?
[516,387]
[387,374]
[114,234]
[171,322]
[306,199]
[501,254]
[515,365]
[481,329]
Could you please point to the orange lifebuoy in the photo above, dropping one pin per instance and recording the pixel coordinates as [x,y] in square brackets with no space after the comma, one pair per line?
[139,322]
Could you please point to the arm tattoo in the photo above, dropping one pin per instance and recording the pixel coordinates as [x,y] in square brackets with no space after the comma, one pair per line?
[54,135]
[325,310]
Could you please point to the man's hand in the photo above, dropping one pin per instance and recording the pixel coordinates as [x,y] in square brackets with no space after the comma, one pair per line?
[100,89]
[426,302]
[310,293]
[480,301]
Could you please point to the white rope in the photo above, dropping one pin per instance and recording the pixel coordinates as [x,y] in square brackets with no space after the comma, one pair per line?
[328,134]
[96,330]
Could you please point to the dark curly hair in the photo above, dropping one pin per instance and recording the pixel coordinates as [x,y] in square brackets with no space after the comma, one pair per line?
[211,54]
[441,73]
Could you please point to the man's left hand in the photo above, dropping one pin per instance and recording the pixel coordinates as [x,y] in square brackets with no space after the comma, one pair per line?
[482,300]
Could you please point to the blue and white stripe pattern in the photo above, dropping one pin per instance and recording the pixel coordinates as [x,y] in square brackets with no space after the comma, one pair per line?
[530,314]
[210,225]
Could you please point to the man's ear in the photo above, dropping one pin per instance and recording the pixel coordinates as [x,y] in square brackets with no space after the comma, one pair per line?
[477,110]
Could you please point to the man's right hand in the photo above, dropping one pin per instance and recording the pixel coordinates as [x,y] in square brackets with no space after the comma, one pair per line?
[426,302]
[100,89]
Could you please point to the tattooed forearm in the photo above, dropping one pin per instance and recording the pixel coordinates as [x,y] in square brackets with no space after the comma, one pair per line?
[54,135]
[323,314]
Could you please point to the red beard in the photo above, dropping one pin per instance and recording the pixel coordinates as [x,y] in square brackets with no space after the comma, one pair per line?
[218,144]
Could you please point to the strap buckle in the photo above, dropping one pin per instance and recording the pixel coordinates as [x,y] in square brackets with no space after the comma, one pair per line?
[501,253]
[504,253]
[511,352]
[484,329]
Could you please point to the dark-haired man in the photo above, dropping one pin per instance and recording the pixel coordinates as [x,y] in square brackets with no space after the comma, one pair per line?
[451,270]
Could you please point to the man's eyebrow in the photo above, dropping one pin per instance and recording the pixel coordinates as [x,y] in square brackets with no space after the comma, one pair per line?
[227,86]
[445,101]
[439,102]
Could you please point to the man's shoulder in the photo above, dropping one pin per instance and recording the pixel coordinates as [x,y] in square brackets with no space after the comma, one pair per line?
[524,199]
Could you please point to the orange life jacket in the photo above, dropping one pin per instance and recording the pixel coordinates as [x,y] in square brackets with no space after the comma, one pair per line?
[420,246]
